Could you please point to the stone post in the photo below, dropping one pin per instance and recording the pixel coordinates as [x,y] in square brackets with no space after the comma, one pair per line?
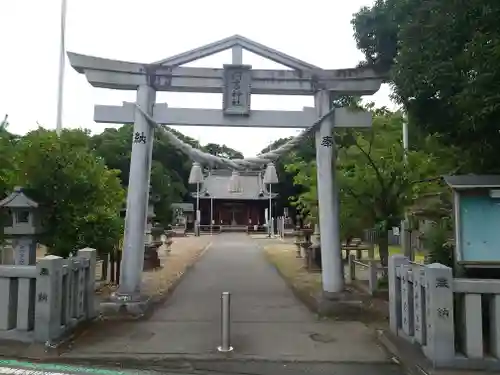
[89,288]
[407,308]
[418,304]
[331,256]
[495,325]
[168,243]
[440,347]
[135,219]
[405,238]
[9,293]
[372,275]
[306,243]
[314,249]
[395,317]
[48,303]
[352,267]
[297,233]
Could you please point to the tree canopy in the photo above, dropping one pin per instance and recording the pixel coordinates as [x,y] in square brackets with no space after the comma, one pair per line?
[442,59]
[375,181]
[78,194]
[80,180]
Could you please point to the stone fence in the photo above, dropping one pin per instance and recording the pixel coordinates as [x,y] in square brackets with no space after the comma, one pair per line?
[282,228]
[44,302]
[455,321]
[366,270]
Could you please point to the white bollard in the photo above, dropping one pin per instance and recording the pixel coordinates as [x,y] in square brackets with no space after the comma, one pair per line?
[225,346]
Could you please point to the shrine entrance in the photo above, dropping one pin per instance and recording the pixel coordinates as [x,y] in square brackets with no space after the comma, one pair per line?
[233,213]
[236,82]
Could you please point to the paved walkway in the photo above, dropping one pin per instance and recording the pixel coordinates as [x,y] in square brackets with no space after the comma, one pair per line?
[268,322]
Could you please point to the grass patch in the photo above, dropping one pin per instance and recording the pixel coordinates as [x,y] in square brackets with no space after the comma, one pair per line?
[307,286]
[292,269]
[185,251]
[393,250]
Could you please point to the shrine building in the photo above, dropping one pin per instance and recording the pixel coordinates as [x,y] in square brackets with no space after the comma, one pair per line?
[234,201]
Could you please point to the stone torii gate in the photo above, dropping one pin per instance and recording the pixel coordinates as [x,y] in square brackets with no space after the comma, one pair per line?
[236,82]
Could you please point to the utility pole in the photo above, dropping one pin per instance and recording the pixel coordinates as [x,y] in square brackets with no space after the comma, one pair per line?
[62,61]
[405,225]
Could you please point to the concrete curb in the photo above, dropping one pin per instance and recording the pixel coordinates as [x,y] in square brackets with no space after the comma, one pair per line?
[184,360]
[408,357]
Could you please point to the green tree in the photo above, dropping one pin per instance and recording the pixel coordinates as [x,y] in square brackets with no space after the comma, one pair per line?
[375,182]
[222,151]
[7,144]
[443,58]
[6,156]
[80,197]
[288,189]
[169,169]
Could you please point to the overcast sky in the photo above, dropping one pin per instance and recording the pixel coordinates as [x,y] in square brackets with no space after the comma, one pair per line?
[317,31]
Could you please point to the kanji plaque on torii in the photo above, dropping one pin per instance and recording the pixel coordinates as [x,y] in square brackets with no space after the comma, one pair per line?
[237,87]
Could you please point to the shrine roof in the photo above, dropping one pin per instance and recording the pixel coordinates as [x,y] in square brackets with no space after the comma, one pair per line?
[472,181]
[216,186]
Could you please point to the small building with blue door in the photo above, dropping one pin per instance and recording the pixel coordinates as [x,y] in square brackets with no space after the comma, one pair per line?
[476,203]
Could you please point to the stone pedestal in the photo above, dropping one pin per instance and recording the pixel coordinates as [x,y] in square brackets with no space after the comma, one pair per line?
[297,233]
[24,251]
[304,246]
[156,233]
[151,259]
[313,257]
[168,243]
[341,305]
[306,241]
[314,251]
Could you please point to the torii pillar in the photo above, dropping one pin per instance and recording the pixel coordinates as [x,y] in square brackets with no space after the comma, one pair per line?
[329,210]
[137,198]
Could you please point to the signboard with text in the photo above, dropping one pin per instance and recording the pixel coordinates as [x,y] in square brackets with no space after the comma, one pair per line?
[237,90]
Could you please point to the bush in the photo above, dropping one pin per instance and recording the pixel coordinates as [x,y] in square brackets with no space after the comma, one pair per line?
[79,196]
[437,242]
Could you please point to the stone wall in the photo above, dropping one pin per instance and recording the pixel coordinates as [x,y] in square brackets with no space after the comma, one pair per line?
[455,321]
[44,302]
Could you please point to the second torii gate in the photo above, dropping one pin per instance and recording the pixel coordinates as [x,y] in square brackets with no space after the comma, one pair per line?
[236,82]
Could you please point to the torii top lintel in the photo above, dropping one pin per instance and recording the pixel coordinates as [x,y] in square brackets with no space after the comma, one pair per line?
[168,75]
[245,43]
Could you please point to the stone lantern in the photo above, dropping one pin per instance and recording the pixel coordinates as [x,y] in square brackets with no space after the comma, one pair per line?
[151,259]
[152,199]
[297,233]
[23,226]
[313,254]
